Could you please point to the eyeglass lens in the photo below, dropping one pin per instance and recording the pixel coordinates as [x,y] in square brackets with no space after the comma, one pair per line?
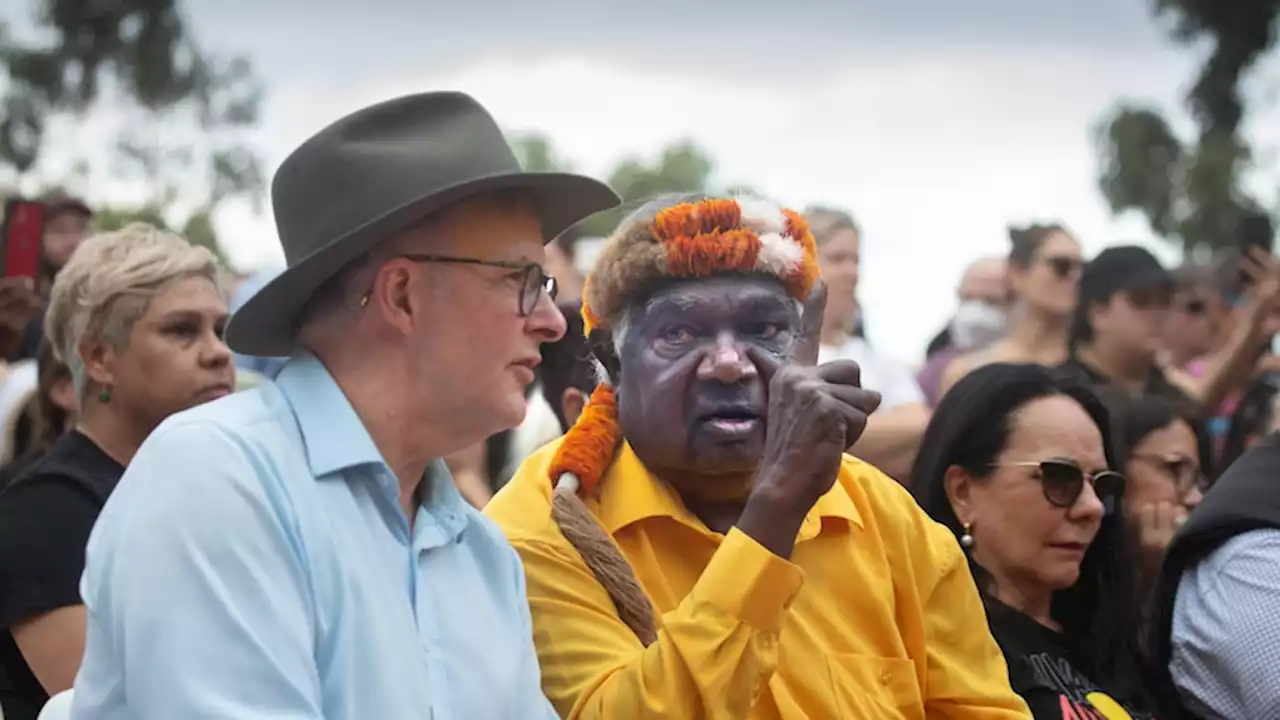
[1064,482]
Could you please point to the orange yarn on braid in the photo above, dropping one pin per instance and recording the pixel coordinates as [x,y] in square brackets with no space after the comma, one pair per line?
[589,446]
[699,239]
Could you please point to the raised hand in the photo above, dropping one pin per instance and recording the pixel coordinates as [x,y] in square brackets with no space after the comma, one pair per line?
[815,412]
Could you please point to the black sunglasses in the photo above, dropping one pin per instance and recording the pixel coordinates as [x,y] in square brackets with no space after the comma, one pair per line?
[533,282]
[1064,267]
[1063,482]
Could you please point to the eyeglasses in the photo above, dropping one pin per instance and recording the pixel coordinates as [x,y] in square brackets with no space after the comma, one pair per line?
[1063,481]
[1184,471]
[533,282]
[1064,266]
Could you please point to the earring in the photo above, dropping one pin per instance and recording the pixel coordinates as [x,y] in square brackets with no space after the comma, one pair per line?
[104,397]
[966,537]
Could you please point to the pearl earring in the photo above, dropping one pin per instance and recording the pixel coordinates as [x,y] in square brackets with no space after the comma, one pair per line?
[966,538]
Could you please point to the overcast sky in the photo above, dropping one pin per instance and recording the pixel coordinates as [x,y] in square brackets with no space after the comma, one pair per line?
[937,123]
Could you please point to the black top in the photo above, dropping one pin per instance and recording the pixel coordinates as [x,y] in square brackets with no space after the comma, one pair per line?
[1040,671]
[45,519]
[1244,499]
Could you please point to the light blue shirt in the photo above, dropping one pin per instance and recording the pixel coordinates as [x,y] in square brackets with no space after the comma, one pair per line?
[254,562]
[1226,638]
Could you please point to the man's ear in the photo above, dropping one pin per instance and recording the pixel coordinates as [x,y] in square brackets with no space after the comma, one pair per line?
[809,340]
[571,404]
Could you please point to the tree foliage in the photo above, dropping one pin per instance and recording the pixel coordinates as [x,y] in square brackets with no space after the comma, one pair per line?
[187,110]
[681,167]
[1190,190]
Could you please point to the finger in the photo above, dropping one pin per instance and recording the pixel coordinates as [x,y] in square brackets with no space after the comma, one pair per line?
[852,420]
[767,364]
[841,372]
[1261,257]
[866,401]
[813,310]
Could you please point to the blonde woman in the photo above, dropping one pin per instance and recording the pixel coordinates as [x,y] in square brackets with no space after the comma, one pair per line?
[893,433]
[137,316]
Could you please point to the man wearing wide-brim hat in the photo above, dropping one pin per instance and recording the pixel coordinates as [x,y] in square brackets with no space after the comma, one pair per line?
[296,550]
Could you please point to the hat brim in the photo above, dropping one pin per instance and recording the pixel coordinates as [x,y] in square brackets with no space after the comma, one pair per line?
[265,325]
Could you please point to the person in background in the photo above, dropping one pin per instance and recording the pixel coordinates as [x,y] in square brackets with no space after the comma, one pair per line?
[981,319]
[708,550]
[1197,324]
[1017,464]
[562,264]
[1156,445]
[50,412]
[1117,333]
[893,432]
[1207,317]
[1043,274]
[1214,635]
[325,566]
[266,367]
[66,224]
[567,375]
[137,316]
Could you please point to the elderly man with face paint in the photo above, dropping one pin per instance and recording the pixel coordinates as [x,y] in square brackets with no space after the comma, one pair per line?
[698,545]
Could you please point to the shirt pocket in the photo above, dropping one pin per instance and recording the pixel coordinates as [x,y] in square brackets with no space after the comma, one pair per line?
[869,688]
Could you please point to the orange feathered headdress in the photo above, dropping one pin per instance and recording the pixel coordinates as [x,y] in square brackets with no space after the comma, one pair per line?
[688,240]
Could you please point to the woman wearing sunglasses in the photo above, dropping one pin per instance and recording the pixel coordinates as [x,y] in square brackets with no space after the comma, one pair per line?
[1016,462]
[1043,274]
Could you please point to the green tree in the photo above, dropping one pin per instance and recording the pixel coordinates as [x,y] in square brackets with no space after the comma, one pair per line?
[536,153]
[681,167]
[187,110]
[1191,190]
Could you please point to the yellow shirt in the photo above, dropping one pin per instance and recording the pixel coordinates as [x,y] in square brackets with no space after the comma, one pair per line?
[875,616]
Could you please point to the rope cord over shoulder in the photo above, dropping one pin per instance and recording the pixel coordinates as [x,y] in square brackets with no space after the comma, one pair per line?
[579,465]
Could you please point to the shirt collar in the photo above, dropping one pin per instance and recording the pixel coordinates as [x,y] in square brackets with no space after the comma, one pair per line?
[332,434]
[630,494]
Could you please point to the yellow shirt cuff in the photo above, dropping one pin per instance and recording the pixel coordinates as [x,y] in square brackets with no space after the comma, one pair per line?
[749,583]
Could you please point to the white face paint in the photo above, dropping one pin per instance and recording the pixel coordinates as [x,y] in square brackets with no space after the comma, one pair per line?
[977,323]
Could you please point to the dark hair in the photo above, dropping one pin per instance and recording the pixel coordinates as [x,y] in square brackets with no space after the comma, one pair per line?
[50,418]
[566,363]
[1025,242]
[970,428]
[1134,417]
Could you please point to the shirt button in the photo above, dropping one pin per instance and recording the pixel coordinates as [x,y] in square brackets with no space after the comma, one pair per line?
[886,677]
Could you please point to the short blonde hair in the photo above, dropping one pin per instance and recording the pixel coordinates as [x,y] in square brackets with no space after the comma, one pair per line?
[108,284]
[826,222]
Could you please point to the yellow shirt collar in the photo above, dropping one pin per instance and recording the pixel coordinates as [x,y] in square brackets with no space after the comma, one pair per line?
[630,493]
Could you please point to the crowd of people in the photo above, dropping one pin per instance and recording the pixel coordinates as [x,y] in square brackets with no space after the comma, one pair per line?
[434,468]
